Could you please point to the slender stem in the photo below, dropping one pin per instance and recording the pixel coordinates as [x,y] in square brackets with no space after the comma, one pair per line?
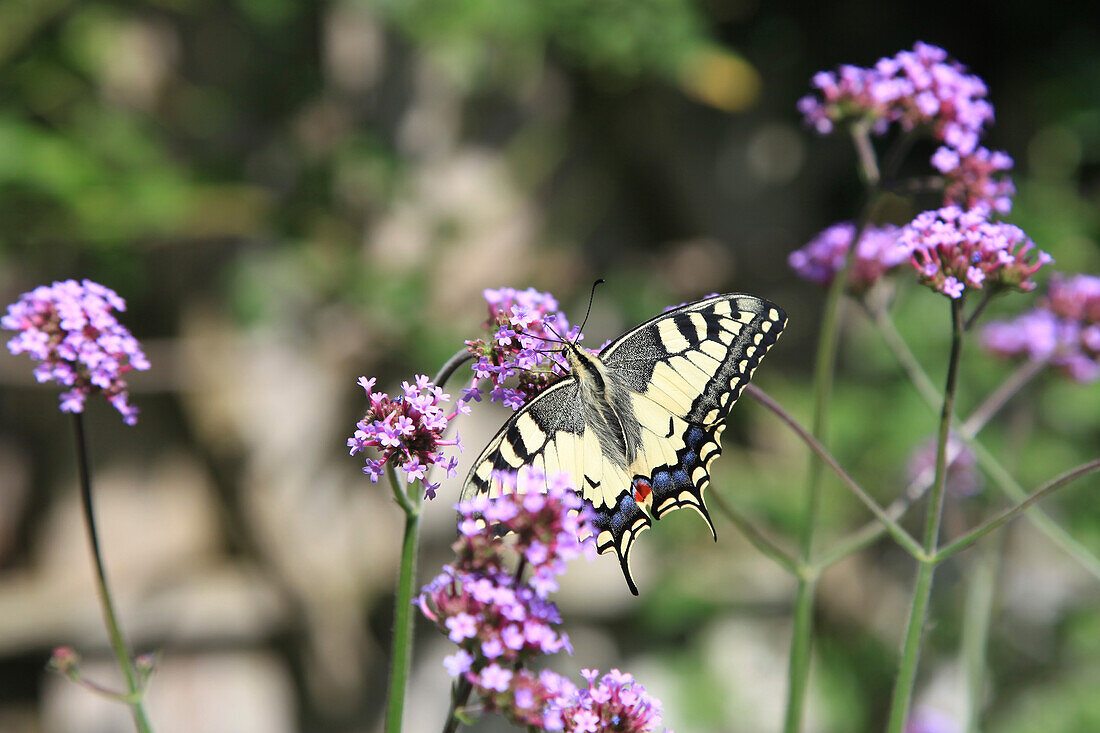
[981,587]
[896,531]
[873,530]
[409,499]
[988,526]
[922,591]
[402,613]
[798,672]
[451,365]
[824,370]
[755,537]
[110,618]
[903,354]
[1038,518]
[1000,396]
[460,693]
[865,152]
[987,296]
[1000,476]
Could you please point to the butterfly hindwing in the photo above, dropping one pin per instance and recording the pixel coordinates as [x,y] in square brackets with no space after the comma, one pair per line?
[644,445]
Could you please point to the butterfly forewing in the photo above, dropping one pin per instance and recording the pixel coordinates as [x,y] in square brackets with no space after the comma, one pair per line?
[671,384]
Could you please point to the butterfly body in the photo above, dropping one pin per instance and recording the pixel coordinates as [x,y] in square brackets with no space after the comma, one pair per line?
[638,426]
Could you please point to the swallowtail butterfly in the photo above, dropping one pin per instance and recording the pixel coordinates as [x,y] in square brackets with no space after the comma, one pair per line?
[637,426]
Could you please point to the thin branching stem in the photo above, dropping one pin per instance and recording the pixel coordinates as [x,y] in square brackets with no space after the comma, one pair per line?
[977,615]
[967,432]
[896,531]
[755,537]
[991,524]
[134,697]
[874,177]
[922,590]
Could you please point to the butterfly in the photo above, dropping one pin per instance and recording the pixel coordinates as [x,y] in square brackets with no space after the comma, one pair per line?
[637,426]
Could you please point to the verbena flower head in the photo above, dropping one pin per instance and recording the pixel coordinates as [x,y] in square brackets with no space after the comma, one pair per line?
[407,430]
[519,345]
[70,327]
[963,480]
[976,179]
[877,253]
[954,250]
[922,87]
[613,702]
[479,601]
[1064,329]
[502,618]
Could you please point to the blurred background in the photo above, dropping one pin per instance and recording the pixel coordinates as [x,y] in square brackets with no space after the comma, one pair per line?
[290,195]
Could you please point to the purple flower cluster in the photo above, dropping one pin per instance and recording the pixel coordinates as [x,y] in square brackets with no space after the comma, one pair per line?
[71,328]
[496,617]
[953,250]
[519,324]
[615,699]
[1064,329]
[876,254]
[407,430]
[974,180]
[921,88]
[501,618]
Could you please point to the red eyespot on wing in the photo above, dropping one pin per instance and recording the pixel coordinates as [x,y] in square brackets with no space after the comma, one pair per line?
[642,490]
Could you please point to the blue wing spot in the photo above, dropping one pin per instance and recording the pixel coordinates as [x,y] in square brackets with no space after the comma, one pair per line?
[680,477]
[662,481]
[695,437]
[690,459]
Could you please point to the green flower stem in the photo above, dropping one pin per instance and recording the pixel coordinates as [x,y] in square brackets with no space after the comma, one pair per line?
[824,369]
[451,365]
[988,526]
[922,591]
[980,590]
[896,530]
[401,658]
[460,693]
[134,696]
[409,498]
[967,432]
[755,537]
[873,530]
[1038,518]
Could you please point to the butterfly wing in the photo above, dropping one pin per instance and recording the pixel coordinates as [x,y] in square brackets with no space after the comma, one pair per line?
[683,370]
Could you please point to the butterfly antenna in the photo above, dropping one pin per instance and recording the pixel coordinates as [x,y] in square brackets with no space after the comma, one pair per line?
[591,297]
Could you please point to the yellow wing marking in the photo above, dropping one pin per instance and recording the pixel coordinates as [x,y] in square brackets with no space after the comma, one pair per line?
[665,389]
[533,435]
[671,339]
[708,365]
[689,372]
[714,350]
[699,322]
